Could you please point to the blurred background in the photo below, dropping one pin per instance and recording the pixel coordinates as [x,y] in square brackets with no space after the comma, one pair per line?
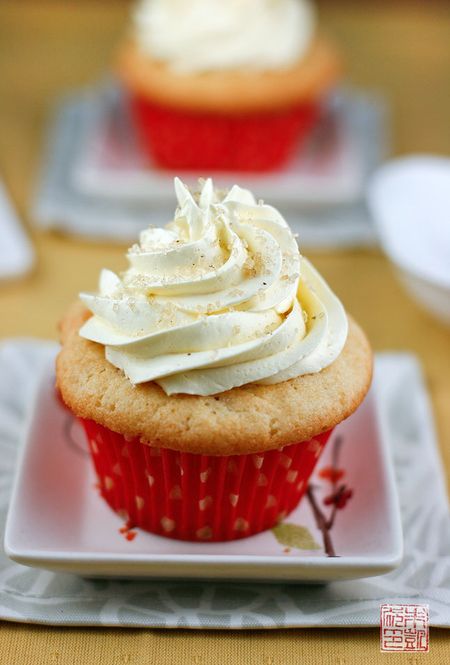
[49,48]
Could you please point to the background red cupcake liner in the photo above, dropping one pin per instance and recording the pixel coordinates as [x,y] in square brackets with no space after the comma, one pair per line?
[200,497]
[189,140]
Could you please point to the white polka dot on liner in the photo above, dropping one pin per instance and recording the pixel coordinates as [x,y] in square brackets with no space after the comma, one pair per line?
[262,480]
[204,475]
[234,498]
[204,533]
[167,524]
[291,476]
[204,503]
[285,461]
[258,461]
[175,492]
[109,482]
[271,501]
[241,524]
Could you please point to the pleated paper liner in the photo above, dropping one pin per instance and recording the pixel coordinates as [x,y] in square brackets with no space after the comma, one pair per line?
[200,497]
[188,140]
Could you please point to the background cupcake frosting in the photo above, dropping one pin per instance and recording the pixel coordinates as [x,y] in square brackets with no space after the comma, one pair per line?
[202,35]
[217,299]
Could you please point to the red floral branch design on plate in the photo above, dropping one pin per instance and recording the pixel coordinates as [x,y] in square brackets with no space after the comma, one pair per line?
[337,498]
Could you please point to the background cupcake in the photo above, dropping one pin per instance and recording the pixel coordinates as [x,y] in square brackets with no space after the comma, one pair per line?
[210,374]
[230,85]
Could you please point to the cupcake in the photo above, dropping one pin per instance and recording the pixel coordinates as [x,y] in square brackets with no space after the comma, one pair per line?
[209,375]
[233,85]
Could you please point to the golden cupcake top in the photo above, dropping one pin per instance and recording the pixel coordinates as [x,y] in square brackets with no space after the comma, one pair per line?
[249,419]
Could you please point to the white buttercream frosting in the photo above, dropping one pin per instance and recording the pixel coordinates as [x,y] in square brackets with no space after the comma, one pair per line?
[208,35]
[217,299]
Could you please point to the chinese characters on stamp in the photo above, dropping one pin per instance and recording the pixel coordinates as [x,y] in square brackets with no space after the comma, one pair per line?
[404,627]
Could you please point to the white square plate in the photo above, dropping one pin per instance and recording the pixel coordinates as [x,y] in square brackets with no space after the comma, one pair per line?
[96,183]
[57,520]
[329,169]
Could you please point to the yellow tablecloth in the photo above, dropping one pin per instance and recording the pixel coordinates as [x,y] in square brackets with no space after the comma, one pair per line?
[48,47]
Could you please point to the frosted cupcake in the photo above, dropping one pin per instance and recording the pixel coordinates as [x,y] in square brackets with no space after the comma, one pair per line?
[230,85]
[209,375]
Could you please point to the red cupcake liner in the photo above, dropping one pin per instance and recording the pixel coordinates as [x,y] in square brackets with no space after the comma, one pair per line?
[200,497]
[189,140]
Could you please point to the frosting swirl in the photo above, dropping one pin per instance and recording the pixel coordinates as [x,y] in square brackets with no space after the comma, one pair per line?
[217,299]
[208,35]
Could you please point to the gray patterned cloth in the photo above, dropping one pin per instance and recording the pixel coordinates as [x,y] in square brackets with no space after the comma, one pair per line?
[31,595]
